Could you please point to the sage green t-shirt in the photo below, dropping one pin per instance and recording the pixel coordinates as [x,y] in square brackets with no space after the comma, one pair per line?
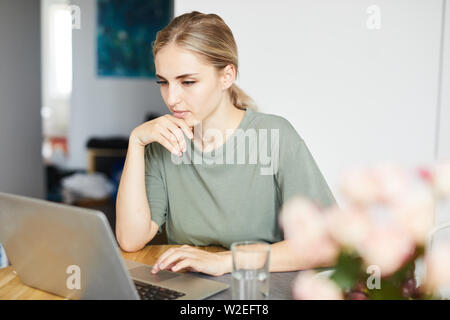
[233,193]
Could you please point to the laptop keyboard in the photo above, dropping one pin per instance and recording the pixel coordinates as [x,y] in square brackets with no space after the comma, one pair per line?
[151,292]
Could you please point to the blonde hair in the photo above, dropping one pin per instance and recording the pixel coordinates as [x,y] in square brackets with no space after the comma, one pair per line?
[208,36]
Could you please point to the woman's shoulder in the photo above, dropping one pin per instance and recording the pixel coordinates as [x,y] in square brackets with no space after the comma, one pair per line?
[262,120]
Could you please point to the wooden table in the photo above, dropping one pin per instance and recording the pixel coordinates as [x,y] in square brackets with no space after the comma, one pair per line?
[12,288]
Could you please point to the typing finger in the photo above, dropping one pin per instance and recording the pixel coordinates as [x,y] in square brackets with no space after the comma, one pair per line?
[189,264]
[173,258]
[167,253]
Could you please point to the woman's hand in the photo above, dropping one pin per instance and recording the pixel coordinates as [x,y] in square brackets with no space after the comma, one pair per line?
[193,259]
[167,130]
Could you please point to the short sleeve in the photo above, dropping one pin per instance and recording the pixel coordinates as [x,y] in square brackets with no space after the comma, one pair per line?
[298,173]
[155,184]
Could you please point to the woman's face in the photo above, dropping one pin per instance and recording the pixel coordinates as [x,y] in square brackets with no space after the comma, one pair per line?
[188,85]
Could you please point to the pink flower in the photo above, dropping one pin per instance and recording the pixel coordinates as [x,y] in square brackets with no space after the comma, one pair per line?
[438,267]
[359,186]
[305,230]
[415,212]
[388,247]
[392,182]
[308,285]
[425,174]
[347,227]
[441,179]
[381,184]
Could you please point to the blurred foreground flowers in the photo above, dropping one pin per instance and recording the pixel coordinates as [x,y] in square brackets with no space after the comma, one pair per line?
[375,240]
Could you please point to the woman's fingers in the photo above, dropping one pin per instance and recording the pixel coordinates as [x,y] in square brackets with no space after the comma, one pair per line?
[178,133]
[162,257]
[174,257]
[170,257]
[165,140]
[186,263]
[167,126]
[190,258]
[182,124]
[172,129]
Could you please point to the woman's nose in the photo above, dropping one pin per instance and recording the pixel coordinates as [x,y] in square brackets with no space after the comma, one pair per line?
[173,95]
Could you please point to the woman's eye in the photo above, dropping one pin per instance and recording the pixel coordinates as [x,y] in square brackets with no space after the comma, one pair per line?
[187,83]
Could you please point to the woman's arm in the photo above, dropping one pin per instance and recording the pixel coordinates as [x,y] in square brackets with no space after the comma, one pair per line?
[283,257]
[134,227]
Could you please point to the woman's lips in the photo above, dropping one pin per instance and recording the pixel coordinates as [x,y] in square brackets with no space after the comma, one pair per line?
[180,115]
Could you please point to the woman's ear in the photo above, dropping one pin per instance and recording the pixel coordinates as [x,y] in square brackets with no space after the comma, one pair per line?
[228,76]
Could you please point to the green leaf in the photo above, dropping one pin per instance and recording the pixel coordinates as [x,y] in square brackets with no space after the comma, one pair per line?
[404,273]
[388,291]
[347,271]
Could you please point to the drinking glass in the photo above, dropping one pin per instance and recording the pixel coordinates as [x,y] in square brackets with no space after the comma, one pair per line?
[250,270]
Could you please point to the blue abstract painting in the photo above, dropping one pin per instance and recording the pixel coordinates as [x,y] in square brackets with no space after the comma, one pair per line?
[125,32]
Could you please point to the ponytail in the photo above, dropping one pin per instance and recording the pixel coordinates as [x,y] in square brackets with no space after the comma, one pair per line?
[240,99]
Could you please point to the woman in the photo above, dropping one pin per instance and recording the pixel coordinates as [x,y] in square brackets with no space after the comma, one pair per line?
[211,201]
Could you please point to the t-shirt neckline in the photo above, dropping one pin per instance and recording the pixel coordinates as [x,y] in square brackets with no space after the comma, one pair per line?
[219,150]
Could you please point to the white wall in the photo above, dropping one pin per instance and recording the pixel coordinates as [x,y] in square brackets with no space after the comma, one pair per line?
[102,107]
[21,167]
[356,96]
[444,126]
[443,145]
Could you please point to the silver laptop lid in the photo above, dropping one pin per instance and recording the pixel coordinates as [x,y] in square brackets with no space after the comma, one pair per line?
[64,250]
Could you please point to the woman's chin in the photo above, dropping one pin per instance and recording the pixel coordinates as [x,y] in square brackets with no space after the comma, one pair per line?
[192,122]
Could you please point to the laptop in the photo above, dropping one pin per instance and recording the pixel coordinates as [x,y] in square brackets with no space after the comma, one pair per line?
[72,252]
